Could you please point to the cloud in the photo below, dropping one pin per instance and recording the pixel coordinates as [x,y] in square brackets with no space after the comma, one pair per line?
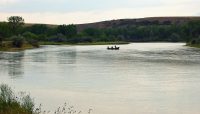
[7,2]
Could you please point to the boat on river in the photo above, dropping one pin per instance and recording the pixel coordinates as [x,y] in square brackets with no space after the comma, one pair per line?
[113,48]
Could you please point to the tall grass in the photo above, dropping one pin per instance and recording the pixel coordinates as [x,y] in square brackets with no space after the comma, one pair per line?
[22,103]
[10,103]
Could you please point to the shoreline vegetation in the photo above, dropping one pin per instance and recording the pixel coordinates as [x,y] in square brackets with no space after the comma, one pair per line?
[12,103]
[15,35]
[85,43]
[22,103]
[195,42]
[193,45]
[8,47]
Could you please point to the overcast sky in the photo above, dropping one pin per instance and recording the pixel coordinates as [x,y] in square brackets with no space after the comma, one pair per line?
[85,11]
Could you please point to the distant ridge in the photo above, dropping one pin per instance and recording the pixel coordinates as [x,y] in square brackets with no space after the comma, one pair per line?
[130,22]
[137,21]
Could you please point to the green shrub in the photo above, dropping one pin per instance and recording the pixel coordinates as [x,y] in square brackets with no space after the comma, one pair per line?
[195,41]
[29,35]
[1,41]
[10,103]
[17,41]
[31,38]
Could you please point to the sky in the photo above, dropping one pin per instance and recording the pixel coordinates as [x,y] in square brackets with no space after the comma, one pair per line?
[87,11]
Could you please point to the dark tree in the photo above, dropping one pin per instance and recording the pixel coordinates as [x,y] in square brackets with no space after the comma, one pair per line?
[62,29]
[15,23]
[39,29]
[71,30]
[92,32]
[5,30]
[68,30]
[1,40]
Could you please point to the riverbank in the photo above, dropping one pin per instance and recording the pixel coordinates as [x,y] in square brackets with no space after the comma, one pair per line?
[193,45]
[88,43]
[7,46]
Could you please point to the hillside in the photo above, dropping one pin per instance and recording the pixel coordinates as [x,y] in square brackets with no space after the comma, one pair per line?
[130,22]
[170,29]
[139,21]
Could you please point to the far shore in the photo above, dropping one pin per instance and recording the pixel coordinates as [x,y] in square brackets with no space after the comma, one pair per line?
[193,45]
[14,49]
[86,43]
[28,46]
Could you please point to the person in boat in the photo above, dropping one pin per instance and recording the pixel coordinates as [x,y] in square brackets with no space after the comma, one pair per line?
[113,47]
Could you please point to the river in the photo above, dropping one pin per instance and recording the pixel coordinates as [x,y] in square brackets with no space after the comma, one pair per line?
[140,78]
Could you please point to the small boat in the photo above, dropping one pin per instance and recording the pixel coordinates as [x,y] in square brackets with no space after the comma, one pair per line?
[113,48]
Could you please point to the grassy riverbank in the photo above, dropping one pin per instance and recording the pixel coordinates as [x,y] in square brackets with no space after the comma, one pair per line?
[7,46]
[194,45]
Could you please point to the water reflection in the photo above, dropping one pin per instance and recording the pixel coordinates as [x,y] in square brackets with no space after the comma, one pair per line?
[13,64]
[53,54]
[67,56]
[139,78]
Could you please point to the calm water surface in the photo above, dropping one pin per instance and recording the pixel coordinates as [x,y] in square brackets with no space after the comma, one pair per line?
[141,78]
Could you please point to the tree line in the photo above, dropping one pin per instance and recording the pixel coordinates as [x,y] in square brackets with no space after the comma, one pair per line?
[17,31]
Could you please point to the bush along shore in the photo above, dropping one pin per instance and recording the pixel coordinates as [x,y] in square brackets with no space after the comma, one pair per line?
[22,103]
[18,43]
[195,42]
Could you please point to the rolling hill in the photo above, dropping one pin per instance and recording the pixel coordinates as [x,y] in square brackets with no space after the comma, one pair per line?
[139,21]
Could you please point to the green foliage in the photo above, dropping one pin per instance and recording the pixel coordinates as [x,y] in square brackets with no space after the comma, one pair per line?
[6,94]
[17,20]
[195,41]
[31,38]
[193,32]
[1,41]
[57,38]
[80,40]
[29,35]
[175,37]
[27,103]
[140,31]
[10,103]
[68,30]
[92,32]
[62,29]
[17,41]
[15,23]
[71,30]
[4,30]
[22,103]
[38,29]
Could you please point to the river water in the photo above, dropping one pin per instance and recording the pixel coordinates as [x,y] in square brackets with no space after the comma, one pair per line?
[140,78]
